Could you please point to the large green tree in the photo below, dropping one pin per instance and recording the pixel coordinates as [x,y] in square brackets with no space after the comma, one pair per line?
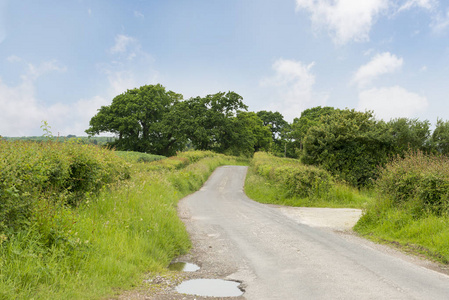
[349,144]
[249,135]
[138,118]
[208,122]
[280,131]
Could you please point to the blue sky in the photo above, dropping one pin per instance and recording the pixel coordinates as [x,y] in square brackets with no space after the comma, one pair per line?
[60,61]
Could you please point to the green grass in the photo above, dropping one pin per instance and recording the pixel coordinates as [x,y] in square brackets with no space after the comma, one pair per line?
[111,242]
[411,210]
[132,156]
[272,190]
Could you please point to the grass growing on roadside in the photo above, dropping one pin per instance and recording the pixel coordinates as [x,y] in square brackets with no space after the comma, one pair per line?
[412,209]
[111,241]
[133,157]
[270,180]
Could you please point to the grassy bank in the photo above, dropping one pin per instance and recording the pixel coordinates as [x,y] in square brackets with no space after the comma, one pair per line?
[412,207]
[110,239]
[284,181]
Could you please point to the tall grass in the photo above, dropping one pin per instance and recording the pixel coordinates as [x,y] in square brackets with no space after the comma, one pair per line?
[412,207]
[108,242]
[288,182]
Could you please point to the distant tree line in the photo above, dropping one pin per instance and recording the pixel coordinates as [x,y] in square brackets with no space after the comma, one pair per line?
[349,144]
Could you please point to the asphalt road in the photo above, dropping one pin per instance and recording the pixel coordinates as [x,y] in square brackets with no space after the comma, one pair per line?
[276,257]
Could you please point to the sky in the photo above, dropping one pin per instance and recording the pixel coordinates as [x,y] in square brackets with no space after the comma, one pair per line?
[60,61]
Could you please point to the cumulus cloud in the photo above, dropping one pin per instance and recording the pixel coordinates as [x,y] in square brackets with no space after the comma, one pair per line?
[346,20]
[380,64]
[293,82]
[22,112]
[392,102]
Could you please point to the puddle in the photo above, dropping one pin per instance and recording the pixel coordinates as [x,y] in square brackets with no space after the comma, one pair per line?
[183,266]
[210,288]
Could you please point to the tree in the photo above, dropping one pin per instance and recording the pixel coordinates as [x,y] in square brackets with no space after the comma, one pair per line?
[408,134]
[208,122]
[280,130]
[137,117]
[249,135]
[349,144]
[440,137]
[309,118]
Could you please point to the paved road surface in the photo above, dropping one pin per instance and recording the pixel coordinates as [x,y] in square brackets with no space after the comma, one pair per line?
[277,258]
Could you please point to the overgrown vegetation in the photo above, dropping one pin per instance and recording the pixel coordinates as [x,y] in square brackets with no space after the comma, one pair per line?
[412,206]
[289,182]
[122,225]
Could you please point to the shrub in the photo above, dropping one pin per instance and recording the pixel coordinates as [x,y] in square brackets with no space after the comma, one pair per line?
[418,181]
[298,179]
[51,171]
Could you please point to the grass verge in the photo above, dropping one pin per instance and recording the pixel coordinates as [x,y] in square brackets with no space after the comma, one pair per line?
[111,241]
[263,185]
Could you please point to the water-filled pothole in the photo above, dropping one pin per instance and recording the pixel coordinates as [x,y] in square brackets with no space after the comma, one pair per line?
[210,288]
[183,266]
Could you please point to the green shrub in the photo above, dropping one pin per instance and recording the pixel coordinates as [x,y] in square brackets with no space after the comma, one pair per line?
[51,171]
[297,178]
[418,181]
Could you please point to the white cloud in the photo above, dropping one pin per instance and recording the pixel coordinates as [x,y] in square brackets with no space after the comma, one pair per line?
[122,43]
[392,102]
[293,83]
[426,4]
[345,19]
[380,64]
[22,113]
[440,22]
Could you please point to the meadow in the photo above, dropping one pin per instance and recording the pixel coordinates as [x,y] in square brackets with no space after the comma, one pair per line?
[84,222]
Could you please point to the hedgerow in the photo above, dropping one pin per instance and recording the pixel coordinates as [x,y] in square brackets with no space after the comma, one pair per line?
[43,174]
[418,181]
[297,178]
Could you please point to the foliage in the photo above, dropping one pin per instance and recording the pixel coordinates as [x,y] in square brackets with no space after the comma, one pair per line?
[349,144]
[296,178]
[60,172]
[408,134]
[110,241]
[418,181]
[412,206]
[309,118]
[440,137]
[208,122]
[281,133]
[132,156]
[249,135]
[288,182]
[137,117]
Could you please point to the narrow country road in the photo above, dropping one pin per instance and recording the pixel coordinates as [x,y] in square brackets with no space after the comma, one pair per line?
[276,257]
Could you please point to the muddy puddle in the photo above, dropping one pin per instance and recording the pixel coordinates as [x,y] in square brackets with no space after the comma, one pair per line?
[210,288]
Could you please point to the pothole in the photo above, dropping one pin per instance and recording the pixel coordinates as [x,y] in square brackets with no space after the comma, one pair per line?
[183,266]
[210,288]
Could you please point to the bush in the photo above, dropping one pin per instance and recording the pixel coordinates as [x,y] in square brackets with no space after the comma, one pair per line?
[418,181]
[33,174]
[298,179]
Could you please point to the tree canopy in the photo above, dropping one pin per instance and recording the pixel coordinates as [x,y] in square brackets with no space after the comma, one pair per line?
[348,143]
